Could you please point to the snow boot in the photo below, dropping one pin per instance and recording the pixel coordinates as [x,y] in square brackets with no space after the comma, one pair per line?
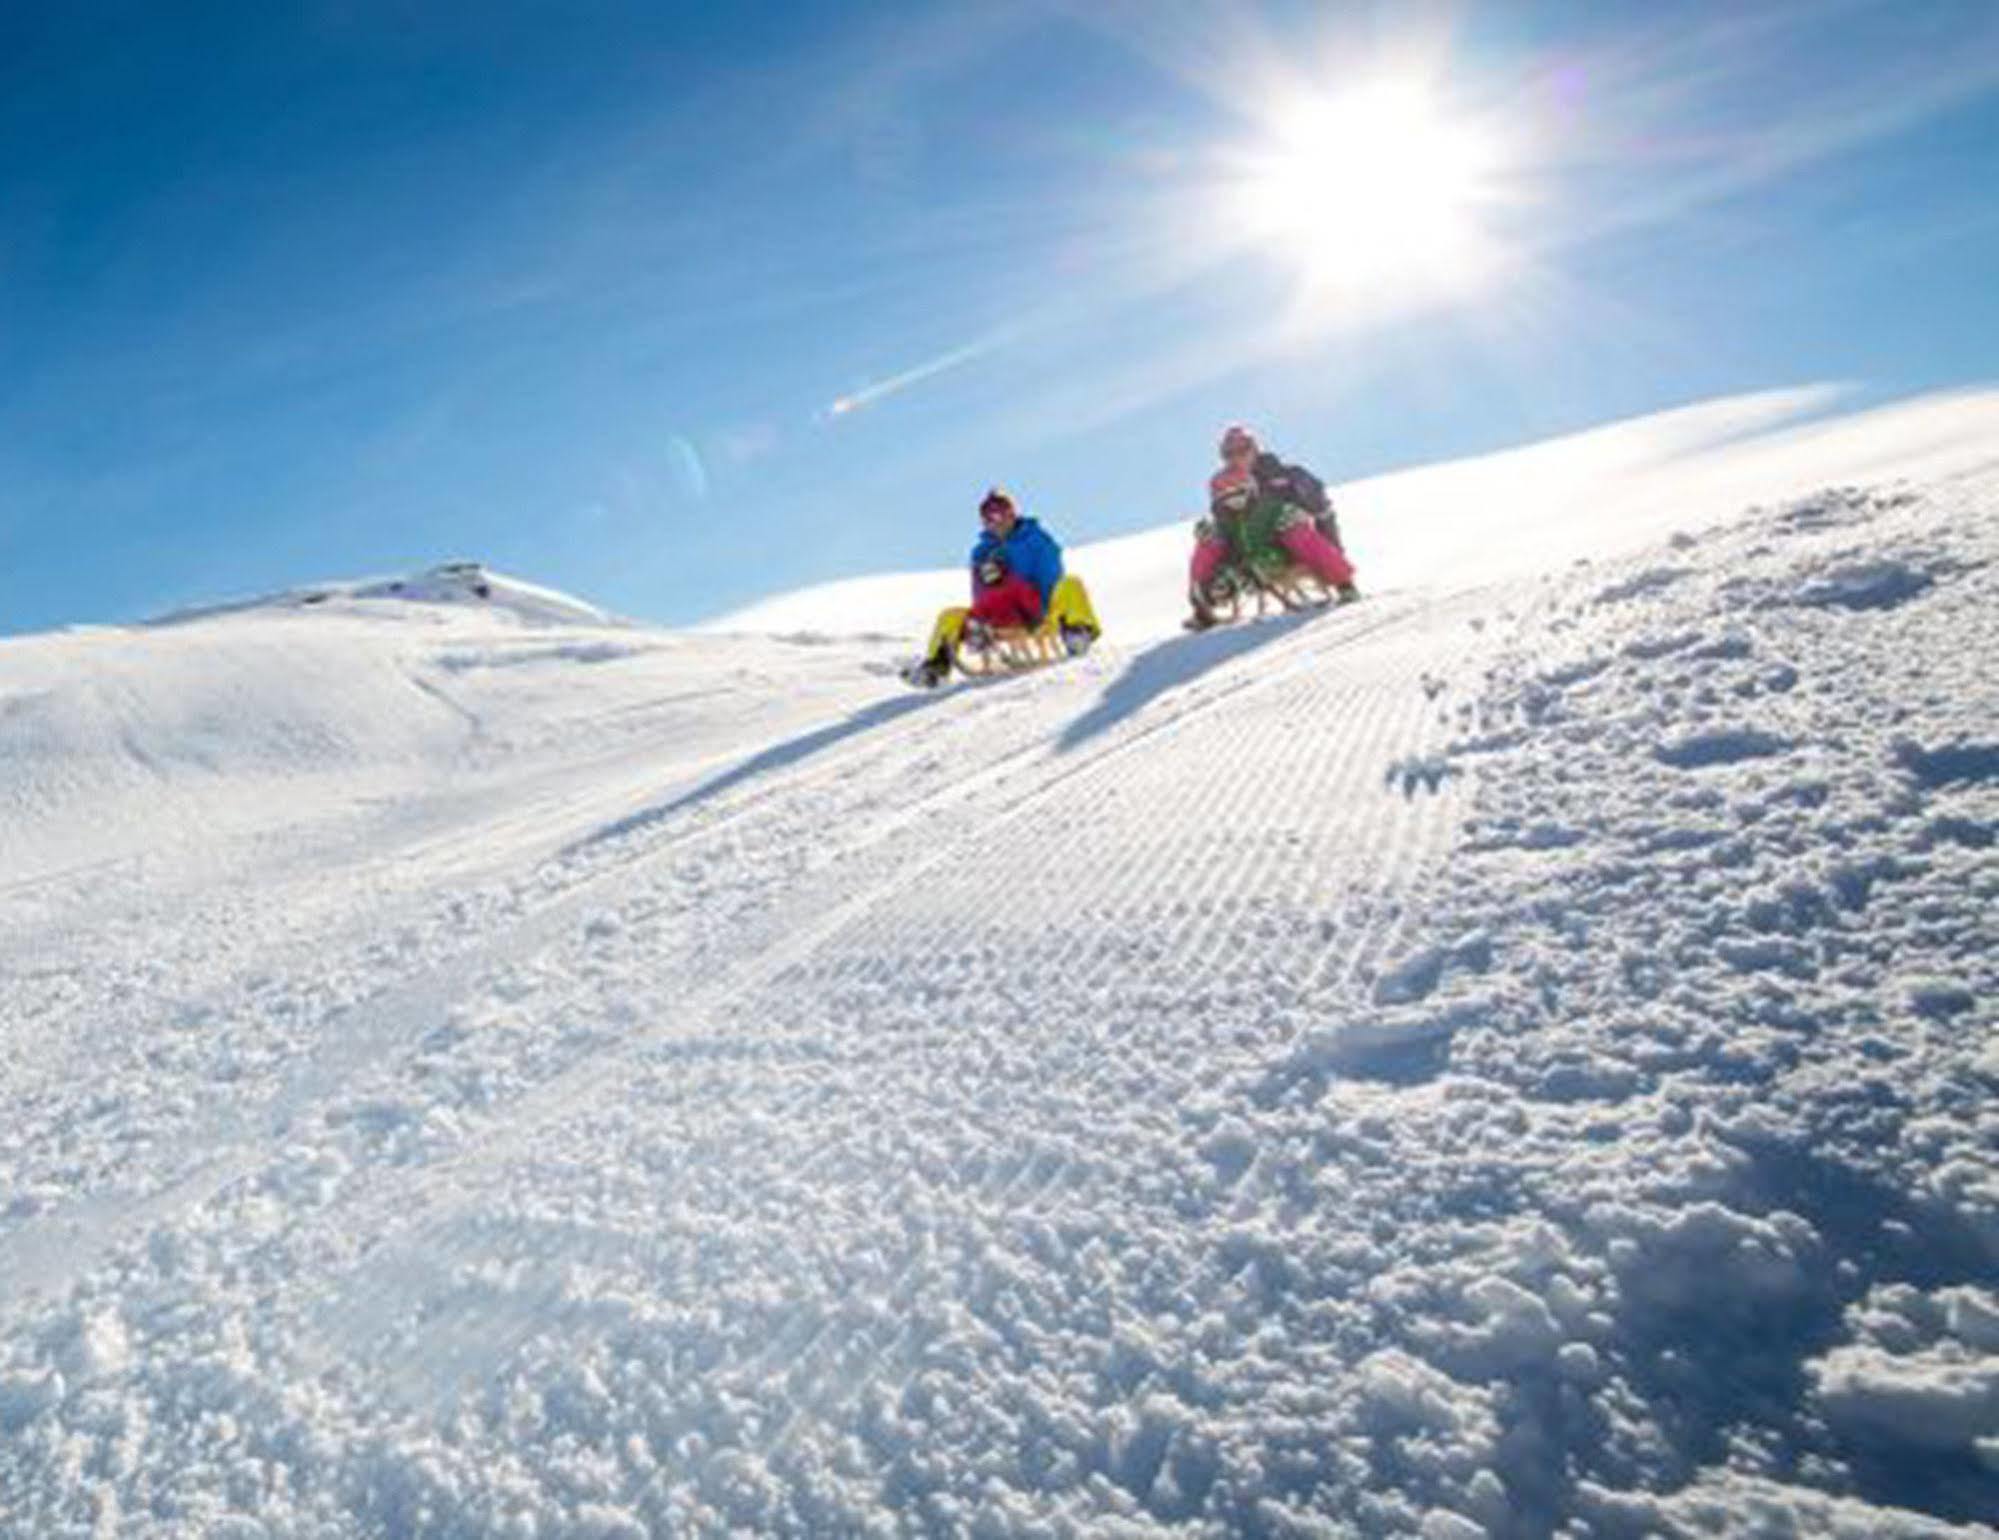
[928,672]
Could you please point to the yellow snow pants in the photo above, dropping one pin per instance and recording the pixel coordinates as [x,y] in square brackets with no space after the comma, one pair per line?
[1069,605]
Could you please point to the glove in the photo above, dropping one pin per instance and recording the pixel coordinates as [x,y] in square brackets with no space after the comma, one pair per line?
[992,571]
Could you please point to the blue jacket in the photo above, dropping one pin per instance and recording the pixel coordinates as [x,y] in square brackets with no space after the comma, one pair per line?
[1029,550]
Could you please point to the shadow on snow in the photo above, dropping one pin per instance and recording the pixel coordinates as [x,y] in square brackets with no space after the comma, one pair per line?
[1150,674]
[1171,664]
[777,757]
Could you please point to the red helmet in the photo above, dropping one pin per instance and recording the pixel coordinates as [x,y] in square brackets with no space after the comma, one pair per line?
[996,502]
[1237,437]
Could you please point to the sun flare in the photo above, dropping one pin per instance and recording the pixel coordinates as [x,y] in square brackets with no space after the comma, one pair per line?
[1379,189]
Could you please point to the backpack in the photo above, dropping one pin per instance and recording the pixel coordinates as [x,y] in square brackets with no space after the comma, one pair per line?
[1292,483]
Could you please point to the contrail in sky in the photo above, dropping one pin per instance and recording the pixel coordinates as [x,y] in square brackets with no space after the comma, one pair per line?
[870,394]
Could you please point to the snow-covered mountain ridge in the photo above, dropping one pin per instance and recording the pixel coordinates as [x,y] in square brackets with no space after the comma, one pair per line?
[403,695]
[450,583]
[1510,1060]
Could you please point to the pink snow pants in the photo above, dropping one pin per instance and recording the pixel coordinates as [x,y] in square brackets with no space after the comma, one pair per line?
[1304,541]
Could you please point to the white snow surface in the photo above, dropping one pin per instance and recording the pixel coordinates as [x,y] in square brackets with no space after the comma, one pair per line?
[1511,1058]
[1494,518]
[455,582]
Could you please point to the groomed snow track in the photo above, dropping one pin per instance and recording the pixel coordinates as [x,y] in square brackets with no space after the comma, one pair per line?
[1092,1104]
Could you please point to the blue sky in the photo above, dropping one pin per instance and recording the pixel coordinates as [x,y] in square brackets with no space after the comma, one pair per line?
[309,291]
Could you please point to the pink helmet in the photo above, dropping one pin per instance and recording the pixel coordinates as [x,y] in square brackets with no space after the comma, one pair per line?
[1236,437]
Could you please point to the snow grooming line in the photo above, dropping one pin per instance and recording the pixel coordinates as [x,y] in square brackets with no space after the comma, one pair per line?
[989,1209]
[47,1253]
[461,1176]
[1195,707]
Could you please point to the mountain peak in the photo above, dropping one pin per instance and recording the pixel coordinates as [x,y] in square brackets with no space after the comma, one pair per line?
[467,583]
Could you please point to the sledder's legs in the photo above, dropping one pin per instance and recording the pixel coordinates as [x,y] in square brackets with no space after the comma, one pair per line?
[1011,604]
[1074,617]
[942,646]
[1071,609]
[1302,540]
[1012,601]
[1211,554]
[1004,629]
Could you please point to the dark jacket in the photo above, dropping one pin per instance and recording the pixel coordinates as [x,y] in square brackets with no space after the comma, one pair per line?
[1291,484]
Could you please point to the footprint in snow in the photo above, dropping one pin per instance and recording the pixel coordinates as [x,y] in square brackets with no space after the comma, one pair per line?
[1950,763]
[1425,772]
[1719,746]
[1869,585]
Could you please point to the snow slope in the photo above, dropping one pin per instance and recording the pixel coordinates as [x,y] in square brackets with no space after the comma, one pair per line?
[1499,1060]
[1495,518]
[452,583]
[415,699]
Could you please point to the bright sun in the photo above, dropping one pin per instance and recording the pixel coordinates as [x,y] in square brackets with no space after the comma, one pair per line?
[1377,191]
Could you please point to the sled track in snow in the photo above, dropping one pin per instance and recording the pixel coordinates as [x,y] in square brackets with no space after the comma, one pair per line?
[872,1079]
[556,922]
[830,1094]
[1089,1069]
[360,1042]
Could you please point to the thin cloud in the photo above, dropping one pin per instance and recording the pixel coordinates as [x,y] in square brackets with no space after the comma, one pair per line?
[1908,81]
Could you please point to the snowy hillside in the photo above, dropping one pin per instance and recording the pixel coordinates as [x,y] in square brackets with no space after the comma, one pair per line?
[1509,1058]
[406,703]
[453,583]
[1496,518]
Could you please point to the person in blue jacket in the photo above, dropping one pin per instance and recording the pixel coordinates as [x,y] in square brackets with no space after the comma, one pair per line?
[1015,565]
[1017,581]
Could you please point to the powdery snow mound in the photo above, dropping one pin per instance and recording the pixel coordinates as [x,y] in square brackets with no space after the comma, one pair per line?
[1513,1063]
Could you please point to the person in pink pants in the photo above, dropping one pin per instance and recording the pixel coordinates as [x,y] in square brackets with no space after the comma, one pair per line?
[1307,529]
